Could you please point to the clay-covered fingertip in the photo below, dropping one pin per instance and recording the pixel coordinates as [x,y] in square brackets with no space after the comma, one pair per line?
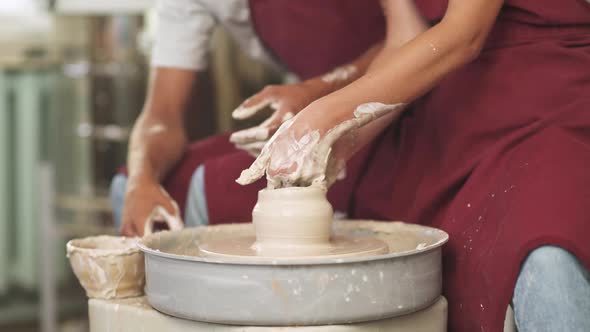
[242,180]
[234,139]
[246,177]
[238,113]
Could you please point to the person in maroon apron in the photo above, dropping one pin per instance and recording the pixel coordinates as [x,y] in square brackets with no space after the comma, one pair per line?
[496,154]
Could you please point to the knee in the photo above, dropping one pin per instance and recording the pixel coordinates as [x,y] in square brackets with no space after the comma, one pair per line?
[196,207]
[552,292]
[548,260]
[549,271]
[118,187]
[198,178]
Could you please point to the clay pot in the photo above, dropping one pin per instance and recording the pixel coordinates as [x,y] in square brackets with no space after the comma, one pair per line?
[108,266]
[292,218]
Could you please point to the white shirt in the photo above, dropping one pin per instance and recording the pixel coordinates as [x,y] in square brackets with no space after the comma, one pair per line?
[185,27]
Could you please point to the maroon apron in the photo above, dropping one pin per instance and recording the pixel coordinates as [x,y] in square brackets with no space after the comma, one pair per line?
[497,155]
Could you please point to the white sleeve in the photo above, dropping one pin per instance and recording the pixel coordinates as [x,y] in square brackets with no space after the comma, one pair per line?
[183,34]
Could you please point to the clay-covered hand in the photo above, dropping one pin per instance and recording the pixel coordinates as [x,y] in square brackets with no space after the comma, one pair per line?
[142,198]
[285,100]
[312,148]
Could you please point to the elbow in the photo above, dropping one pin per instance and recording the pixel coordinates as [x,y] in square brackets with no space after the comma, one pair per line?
[468,40]
[472,46]
[469,23]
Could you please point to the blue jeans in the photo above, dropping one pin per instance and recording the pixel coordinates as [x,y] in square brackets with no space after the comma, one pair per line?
[552,292]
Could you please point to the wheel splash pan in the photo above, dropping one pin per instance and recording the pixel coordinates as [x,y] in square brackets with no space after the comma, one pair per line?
[305,291]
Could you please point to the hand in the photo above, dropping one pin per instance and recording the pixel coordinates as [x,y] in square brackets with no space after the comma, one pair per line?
[142,197]
[312,148]
[285,100]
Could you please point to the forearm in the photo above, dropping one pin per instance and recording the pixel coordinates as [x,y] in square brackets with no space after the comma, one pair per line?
[154,148]
[312,147]
[343,75]
[158,139]
[404,23]
[407,72]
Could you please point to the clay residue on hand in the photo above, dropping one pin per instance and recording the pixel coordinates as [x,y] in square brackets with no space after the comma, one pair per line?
[244,112]
[287,116]
[368,112]
[253,148]
[246,139]
[156,129]
[340,74]
[308,157]
[303,157]
[322,171]
[258,133]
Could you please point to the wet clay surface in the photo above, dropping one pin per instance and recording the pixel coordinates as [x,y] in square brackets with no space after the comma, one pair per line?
[400,238]
[247,248]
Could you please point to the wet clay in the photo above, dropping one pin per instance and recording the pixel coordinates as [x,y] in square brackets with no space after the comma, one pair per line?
[292,223]
[243,112]
[340,74]
[400,238]
[311,152]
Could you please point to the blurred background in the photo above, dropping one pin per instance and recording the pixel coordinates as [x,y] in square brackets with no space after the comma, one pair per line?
[73,76]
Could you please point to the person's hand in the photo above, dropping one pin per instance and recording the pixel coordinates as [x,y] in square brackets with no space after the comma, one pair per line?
[285,100]
[142,198]
[311,149]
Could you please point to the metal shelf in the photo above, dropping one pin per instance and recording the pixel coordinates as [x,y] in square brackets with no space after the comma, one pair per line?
[102,7]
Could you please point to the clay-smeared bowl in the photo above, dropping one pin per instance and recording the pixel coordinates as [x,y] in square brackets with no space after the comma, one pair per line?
[108,266]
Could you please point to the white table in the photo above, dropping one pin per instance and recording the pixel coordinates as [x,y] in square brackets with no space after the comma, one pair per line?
[136,315]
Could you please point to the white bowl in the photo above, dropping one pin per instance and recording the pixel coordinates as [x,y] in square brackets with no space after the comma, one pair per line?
[108,266]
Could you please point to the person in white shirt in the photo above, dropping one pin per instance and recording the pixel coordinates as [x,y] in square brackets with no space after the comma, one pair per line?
[158,139]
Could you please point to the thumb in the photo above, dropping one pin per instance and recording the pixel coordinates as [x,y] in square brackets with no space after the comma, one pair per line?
[168,203]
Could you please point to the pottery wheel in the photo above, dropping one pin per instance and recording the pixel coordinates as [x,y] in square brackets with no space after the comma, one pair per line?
[183,281]
[247,248]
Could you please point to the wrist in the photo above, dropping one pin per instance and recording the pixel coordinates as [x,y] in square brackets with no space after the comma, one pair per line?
[140,179]
[318,87]
[341,76]
[323,114]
